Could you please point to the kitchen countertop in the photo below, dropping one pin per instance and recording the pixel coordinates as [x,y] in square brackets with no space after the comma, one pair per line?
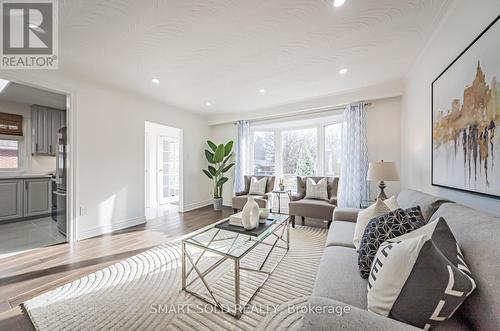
[24,175]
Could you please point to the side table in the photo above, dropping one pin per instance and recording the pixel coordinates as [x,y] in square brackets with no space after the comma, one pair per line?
[278,194]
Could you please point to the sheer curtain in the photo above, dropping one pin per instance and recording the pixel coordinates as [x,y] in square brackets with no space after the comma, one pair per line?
[354,165]
[242,154]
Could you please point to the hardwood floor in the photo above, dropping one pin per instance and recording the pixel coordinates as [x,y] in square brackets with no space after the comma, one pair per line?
[29,274]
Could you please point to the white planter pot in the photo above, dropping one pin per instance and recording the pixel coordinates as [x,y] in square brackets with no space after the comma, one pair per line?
[218,204]
[250,214]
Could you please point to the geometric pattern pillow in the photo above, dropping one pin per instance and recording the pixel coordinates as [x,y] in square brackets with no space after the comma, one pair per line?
[385,227]
[258,186]
[420,278]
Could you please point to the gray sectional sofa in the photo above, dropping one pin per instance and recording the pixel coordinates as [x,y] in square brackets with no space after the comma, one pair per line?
[339,284]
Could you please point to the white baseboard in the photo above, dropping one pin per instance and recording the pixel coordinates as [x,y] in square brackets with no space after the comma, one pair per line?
[110,228]
[227,203]
[192,206]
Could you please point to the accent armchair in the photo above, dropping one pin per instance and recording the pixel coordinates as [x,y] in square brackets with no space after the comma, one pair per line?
[240,198]
[322,209]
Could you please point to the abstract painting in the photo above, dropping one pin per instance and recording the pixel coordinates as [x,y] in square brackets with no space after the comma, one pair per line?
[466,118]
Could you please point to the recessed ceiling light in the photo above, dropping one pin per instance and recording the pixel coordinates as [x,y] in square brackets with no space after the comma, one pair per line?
[33,26]
[155,81]
[338,3]
[3,84]
[262,91]
[343,71]
[208,104]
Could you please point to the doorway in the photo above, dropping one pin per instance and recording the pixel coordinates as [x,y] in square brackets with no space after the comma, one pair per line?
[33,168]
[163,169]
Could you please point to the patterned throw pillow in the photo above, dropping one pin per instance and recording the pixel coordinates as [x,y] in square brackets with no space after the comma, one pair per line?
[258,186]
[385,227]
[420,278]
[379,208]
[316,190]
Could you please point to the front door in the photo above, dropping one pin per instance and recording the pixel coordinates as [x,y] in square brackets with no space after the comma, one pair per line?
[168,170]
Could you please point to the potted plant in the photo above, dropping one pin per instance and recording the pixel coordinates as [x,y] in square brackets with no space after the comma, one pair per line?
[218,157]
[282,184]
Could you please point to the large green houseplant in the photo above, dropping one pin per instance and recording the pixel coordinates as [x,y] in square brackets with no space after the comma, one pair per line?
[218,157]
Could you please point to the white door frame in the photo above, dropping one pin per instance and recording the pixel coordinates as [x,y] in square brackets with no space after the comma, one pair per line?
[71,180]
[151,153]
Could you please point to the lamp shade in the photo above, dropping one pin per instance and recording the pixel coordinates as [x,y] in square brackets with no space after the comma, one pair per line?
[385,171]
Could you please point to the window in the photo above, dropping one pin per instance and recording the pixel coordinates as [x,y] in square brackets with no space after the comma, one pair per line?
[11,124]
[9,154]
[300,150]
[308,147]
[263,153]
[333,138]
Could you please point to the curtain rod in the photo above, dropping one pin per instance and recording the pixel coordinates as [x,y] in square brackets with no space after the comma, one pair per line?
[310,111]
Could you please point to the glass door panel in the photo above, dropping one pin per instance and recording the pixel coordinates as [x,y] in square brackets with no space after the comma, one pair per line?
[168,168]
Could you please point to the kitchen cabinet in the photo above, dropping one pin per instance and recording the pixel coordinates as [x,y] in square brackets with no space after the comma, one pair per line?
[25,197]
[37,197]
[11,199]
[45,124]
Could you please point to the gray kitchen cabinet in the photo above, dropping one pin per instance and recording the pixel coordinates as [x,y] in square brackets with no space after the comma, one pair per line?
[11,199]
[37,197]
[56,124]
[45,123]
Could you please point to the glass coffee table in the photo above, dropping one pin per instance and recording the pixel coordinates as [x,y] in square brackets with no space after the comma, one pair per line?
[220,261]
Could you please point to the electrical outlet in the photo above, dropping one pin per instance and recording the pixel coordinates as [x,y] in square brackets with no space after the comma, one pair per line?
[83,211]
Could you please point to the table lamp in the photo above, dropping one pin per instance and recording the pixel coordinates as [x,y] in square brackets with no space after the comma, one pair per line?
[382,171]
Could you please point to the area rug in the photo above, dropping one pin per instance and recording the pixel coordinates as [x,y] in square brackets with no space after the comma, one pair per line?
[144,292]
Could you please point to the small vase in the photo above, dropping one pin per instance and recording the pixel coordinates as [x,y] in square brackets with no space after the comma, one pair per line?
[250,214]
[282,187]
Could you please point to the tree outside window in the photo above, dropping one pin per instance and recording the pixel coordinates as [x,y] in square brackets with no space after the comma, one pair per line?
[300,149]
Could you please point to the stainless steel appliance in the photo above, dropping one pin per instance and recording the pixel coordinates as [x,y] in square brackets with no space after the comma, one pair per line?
[61,171]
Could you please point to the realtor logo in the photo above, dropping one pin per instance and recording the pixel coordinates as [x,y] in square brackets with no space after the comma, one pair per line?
[29,34]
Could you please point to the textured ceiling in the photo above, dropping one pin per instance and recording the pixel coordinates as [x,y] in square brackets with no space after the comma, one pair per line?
[224,51]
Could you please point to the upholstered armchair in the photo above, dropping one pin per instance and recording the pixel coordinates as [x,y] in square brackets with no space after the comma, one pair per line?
[322,209]
[240,198]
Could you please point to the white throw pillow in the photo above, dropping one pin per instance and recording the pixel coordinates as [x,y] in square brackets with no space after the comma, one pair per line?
[392,203]
[316,190]
[379,208]
[258,186]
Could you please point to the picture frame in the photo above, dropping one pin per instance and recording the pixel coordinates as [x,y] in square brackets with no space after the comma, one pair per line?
[465,118]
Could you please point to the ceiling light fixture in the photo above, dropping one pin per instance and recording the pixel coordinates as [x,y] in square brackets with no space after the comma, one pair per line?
[208,104]
[3,84]
[343,71]
[155,81]
[262,91]
[338,3]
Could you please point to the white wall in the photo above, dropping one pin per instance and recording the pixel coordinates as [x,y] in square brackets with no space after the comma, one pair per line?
[464,22]
[110,146]
[28,163]
[384,140]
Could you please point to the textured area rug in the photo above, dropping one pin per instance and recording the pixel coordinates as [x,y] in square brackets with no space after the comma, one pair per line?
[144,292]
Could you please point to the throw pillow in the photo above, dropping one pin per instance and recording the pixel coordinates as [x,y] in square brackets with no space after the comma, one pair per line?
[385,227]
[316,190]
[392,203]
[258,186]
[420,278]
[364,216]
